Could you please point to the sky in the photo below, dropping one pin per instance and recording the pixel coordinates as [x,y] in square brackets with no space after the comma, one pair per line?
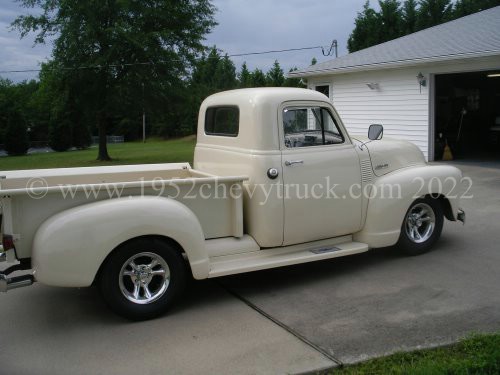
[243,26]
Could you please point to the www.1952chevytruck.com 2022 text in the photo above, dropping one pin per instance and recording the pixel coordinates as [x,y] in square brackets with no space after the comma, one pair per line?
[277,180]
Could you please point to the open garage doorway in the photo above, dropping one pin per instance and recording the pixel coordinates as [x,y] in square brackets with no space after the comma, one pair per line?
[467,115]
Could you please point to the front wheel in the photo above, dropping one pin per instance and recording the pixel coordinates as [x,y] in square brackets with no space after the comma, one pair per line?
[421,226]
[142,278]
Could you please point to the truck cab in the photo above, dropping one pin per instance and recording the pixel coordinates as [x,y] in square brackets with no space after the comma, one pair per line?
[298,135]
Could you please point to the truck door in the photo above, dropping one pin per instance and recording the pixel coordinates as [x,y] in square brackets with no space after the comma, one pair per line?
[321,172]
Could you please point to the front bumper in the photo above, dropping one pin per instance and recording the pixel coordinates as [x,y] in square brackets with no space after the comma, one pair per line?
[7,283]
[461,215]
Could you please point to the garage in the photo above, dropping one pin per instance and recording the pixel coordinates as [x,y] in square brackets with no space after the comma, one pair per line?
[467,115]
[436,87]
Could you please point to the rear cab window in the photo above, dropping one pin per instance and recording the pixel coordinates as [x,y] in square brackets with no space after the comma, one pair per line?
[222,121]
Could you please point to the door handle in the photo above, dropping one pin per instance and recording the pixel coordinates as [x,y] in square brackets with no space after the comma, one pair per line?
[289,163]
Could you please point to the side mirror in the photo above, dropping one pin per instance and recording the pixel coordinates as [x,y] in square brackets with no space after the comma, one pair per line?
[375,131]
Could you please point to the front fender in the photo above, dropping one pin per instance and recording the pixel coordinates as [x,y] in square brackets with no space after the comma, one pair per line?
[392,195]
[69,247]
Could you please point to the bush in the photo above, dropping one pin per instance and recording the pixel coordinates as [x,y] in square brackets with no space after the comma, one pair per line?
[81,136]
[16,135]
[60,135]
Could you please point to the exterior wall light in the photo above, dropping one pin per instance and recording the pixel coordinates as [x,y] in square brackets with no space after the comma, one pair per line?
[422,82]
[373,86]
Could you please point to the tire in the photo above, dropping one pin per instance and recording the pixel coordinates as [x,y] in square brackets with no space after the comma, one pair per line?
[422,226]
[142,278]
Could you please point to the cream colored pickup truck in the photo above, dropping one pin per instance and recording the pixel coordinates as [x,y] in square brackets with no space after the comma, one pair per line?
[277,180]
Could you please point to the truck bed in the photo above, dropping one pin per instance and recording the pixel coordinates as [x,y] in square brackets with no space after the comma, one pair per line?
[15,182]
[29,197]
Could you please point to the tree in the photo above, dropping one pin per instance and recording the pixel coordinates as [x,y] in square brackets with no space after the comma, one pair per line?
[225,75]
[465,7]
[245,76]
[16,134]
[314,61]
[394,20]
[390,19]
[366,30]
[409,17]
[205,69]
[17,115]
[293,82]
[433,12]
[59,96]
[117,45]
[212,73]
[258,78]
[275,76]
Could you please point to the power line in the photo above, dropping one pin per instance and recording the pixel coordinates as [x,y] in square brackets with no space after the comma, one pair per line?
[275,51]
[148,63]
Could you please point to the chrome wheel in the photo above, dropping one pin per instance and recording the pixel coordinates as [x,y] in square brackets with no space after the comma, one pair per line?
[420,223]
[144,278]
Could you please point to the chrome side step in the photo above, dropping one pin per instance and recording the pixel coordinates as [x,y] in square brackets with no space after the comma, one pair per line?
[323,250]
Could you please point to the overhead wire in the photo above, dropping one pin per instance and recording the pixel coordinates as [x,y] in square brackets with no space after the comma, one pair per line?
[31,70]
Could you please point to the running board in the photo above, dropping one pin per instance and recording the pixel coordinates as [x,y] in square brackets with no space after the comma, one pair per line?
[281,256]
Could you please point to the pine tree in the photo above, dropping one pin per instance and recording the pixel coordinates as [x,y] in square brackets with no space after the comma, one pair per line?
[409,17]
[390,19]
[258,78]
[275,77]
[465,7]
[225,75]
[366,31]
[433,12]
[245,76]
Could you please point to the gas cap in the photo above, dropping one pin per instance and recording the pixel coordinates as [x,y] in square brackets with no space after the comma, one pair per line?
[272,173]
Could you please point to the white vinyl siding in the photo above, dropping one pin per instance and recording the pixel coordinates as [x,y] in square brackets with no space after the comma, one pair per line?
[397,104]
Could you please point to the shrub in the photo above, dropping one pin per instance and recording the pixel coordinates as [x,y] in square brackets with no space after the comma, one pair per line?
[16,135]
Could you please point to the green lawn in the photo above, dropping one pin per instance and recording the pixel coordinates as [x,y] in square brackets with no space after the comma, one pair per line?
[153,151]
[475,355]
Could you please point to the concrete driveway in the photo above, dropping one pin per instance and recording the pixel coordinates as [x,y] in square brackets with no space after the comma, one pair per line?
[381,302]
[287,320]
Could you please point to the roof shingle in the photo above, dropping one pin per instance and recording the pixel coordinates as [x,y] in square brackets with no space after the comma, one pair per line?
[473,35]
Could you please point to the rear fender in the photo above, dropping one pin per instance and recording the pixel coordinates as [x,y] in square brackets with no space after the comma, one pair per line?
[69,247]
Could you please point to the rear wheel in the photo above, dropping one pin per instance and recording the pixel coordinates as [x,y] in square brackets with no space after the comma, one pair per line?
[142,278]
[421,226]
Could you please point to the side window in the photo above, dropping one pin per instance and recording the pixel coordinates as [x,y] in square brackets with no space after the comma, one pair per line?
[310,126]
[222,121]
